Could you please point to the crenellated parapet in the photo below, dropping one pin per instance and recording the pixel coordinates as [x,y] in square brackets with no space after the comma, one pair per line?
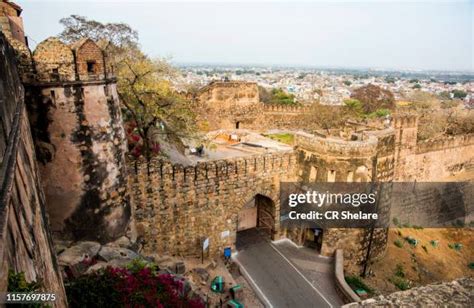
[274,108]
[81,61]
[405,121]
[337,147]
[176,205]
[446,143]
[221,170]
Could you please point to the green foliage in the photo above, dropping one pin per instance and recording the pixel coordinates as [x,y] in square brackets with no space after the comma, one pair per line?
[434,243]
[390,79]
[356,282]
[412,241]
[282,98]
[354,105]
[283,137]
[143,84]
[379,113]
[347,82]
[400,283]
[399,271]
[471,265]
[398,243]
[276,96]
[18,283]
[138,264]
[459,94]
[416,86]
[455,246]
[373,98]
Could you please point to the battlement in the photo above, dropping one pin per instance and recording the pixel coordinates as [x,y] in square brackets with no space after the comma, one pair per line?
[228,84]
[219,170]
[405,121]
[432,145]
[82,61]
[337,147]
[274,108]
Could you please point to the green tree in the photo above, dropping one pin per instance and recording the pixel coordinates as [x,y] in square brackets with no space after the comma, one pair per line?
[373,98]
[276,96]
[460,94]
[143,84]
[77,27]
[151,103]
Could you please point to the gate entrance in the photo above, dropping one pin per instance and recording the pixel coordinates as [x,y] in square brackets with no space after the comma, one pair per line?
[256,221]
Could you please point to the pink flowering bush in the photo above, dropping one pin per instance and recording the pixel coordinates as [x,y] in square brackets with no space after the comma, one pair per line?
[130,287]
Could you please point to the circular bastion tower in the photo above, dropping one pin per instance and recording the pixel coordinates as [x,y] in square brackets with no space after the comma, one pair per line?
[80,142]
[366,156]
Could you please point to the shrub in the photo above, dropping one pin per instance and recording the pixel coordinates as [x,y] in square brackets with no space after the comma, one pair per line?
[137,286]
[399,271]
[18,283]
[398,243]
[400,283]
[356,282]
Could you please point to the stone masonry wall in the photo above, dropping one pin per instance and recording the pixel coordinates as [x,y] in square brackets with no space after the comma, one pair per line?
[430,160]
[335,160]
[176,207]
[87,51]
[80,141]
[25,240]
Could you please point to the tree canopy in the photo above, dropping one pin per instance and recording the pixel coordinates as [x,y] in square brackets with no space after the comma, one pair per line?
[76,27]
[277,96]
[374,98]
[152,107]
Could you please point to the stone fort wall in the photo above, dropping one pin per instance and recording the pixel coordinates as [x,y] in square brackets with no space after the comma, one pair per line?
[80,141]
[25,241]
[176,206]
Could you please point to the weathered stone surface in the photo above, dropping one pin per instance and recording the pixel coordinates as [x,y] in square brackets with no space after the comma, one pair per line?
[78,252]
[94,268]
[120,242]
[82,145]
[25,242]
[202,274]
[108,253]
[458,293]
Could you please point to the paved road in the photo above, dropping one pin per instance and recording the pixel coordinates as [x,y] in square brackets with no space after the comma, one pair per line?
[280,281]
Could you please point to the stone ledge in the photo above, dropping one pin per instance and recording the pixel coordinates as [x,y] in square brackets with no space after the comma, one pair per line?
[348,295]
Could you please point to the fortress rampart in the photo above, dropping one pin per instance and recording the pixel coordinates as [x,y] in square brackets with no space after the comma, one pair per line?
[443,144]
[429,160]
[80,143]
[272,108]
[177,206]
[25,241]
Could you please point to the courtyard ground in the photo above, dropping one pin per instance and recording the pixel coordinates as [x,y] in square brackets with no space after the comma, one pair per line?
[439,255]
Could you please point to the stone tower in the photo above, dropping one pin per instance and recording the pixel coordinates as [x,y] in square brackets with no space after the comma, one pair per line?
[80,142]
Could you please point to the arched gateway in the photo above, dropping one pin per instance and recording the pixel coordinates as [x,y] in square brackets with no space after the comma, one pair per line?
[257,220]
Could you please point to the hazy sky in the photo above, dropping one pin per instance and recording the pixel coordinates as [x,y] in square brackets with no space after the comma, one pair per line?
[407,34]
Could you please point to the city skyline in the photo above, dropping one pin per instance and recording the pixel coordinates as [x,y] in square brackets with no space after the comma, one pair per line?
[402,35]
